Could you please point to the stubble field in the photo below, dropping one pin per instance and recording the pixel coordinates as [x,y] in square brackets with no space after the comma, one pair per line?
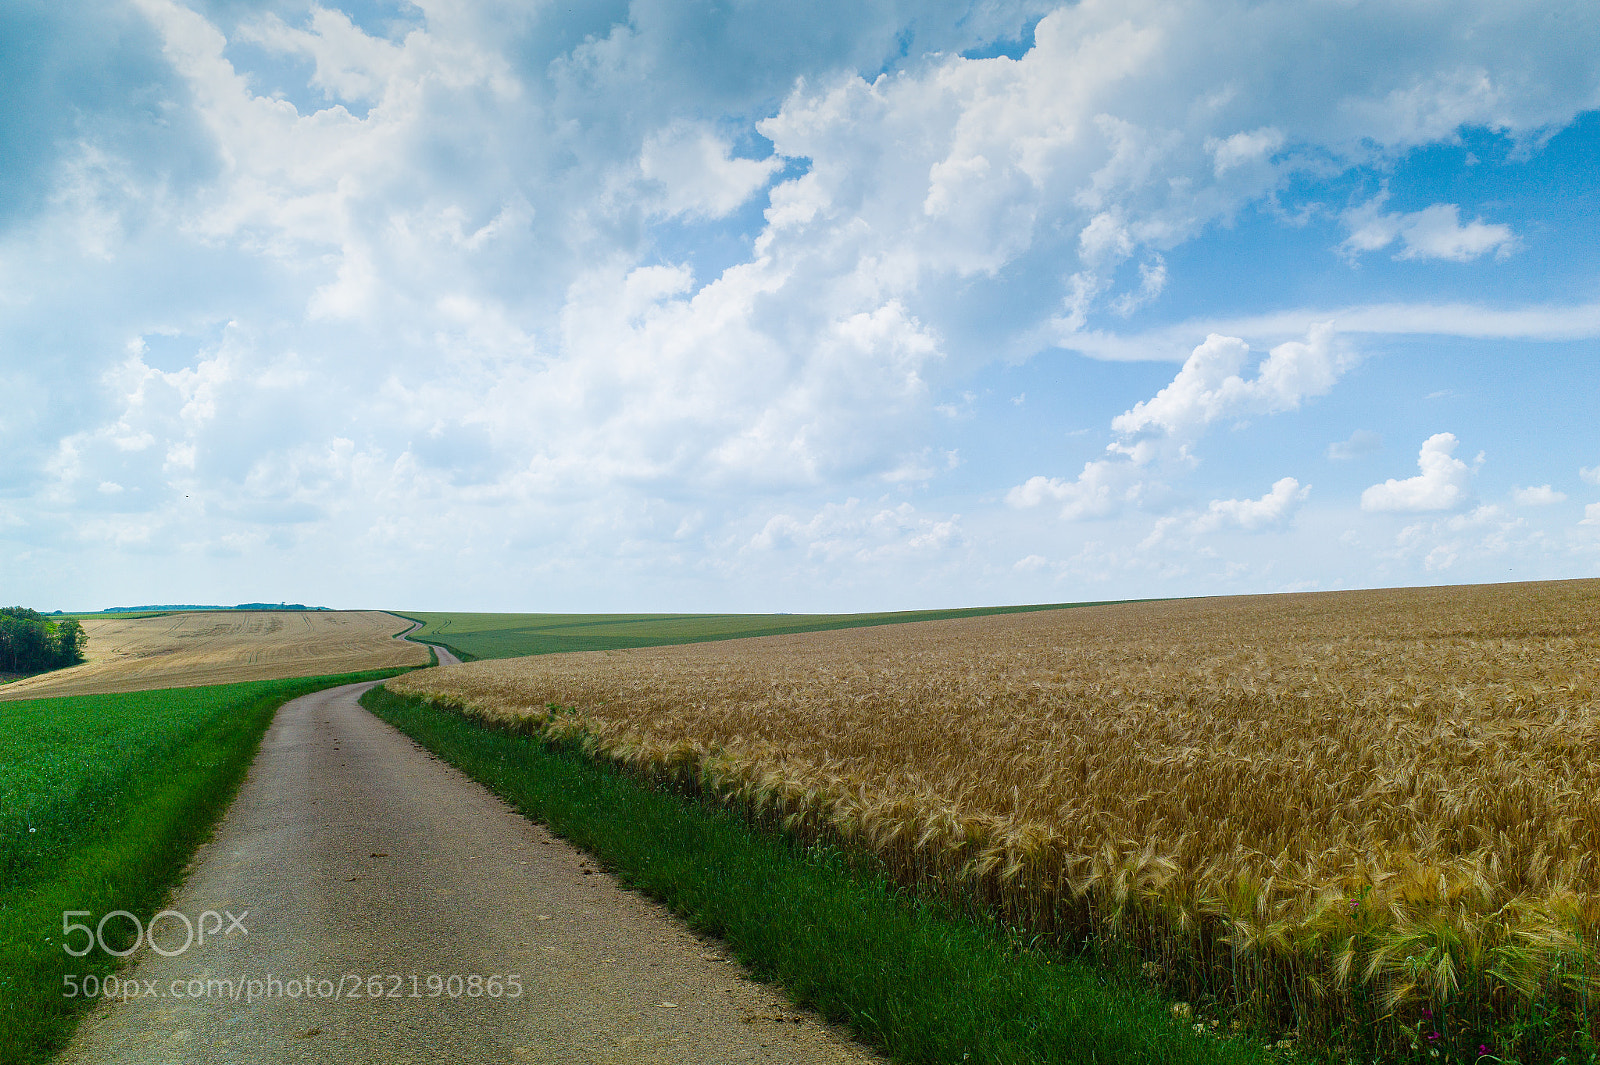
[224,647]
[1363,819]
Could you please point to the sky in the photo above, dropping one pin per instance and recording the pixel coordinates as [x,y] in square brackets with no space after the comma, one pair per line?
[779,306]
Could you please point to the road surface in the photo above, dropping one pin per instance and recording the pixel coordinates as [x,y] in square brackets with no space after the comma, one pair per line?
[351,854]
[446,657]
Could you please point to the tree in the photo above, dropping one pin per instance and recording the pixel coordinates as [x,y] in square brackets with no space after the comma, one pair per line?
[69,642]
[30,643]
[10,631]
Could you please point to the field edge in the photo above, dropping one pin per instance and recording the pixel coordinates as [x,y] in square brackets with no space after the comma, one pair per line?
[553,633]
[135,868]
[414,634]
[906,975]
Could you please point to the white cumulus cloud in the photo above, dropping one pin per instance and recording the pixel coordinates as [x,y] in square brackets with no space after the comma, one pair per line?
[1443,484]
[350,65]
[1211,384]
[1244,148]
[1100,489]
[697,173]
[1157,433]
[1539,496]
[1435,232]
[1272,509]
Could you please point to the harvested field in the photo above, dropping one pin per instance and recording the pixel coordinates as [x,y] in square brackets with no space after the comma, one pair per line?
[1369,818]
[186,650]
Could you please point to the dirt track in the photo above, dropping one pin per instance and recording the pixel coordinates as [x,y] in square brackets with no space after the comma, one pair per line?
[356,853]
[446,657]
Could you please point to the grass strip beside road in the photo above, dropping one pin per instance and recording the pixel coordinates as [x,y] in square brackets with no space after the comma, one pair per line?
[919,984]
[103,799]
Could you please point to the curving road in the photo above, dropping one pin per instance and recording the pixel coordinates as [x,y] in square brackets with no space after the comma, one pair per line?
[351,853]
[446,657]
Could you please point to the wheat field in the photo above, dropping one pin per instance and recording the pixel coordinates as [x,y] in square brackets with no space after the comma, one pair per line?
[184,650]
[1314,813]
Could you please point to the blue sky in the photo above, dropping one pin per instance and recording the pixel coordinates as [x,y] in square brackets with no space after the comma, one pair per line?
[753,307]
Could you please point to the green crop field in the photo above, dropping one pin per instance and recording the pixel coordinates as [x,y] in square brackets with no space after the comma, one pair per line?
[512,635]
[103,798]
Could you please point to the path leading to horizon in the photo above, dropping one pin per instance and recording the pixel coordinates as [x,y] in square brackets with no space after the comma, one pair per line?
[446,656]
[351,853]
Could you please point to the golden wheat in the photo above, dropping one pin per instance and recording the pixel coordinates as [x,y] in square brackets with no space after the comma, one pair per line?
[185,649]
[1301,808]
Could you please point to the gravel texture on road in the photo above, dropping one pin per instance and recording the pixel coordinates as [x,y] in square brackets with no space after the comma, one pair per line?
[352,853]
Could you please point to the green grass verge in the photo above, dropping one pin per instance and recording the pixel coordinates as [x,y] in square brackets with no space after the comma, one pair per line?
[917,982]
[103,799]
[473,636]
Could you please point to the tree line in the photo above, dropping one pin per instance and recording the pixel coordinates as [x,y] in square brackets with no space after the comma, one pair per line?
[31,642]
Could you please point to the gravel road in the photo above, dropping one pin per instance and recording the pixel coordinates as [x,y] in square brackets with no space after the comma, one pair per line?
[352,853]
[446,657]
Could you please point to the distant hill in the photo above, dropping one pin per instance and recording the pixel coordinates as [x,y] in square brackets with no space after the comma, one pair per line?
[196,606]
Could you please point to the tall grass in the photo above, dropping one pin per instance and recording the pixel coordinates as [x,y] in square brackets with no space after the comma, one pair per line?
[1363,821]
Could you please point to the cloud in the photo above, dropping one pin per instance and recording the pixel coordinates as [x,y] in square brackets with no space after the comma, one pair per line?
[1173,343]
[850,530]
[697,173]
[961,167]
[1540,496]
[1590,474]
[1484,532]
[1443,484]
[922,467]
[89,78]
[1152,280]
[1157,433]
[1432,233]
[1210,385]
[1591,514]
[1243,149]
[350,66]
[1100,489]
[502,277]
[1360,442]
[1272,509]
